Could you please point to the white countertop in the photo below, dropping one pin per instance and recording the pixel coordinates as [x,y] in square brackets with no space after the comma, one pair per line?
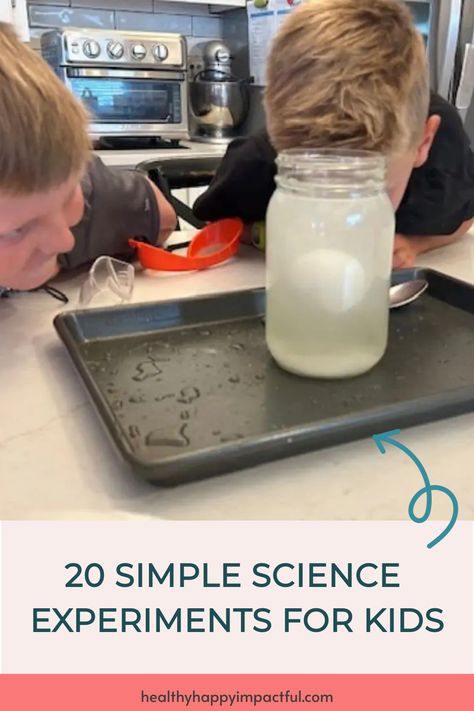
[56,461]
[131,158]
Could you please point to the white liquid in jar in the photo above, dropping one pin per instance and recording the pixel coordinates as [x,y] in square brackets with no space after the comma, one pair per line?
[328,275]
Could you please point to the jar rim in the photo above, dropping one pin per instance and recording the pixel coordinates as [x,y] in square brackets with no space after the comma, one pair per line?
[336,157]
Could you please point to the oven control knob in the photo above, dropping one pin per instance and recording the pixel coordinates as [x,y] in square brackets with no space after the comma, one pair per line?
[160,52]
[91,49]
[139,51]
[115,50]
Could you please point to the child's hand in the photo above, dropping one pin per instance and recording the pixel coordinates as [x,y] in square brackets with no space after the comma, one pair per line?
[404,252]
[407,249]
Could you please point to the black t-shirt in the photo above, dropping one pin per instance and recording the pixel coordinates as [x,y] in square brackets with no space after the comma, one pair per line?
[438,199]
[119,205]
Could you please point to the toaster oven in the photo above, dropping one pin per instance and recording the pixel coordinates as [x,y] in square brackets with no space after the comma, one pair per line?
[132,83]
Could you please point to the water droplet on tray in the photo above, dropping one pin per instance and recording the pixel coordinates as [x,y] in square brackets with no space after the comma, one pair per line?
[163,437]
[231,437]
[163,397]
[137,399]
[188,394]
[134,431]
[146,369]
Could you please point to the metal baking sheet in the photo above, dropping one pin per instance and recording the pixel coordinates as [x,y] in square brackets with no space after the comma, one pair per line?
[187,389]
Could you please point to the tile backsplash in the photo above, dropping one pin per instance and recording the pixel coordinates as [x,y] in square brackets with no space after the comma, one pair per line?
[195,21]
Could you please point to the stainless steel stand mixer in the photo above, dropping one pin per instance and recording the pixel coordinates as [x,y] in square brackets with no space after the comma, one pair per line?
[219,101]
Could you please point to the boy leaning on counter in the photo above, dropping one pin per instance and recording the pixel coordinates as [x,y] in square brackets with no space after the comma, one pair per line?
[60,206]
[353,74]
[342,73]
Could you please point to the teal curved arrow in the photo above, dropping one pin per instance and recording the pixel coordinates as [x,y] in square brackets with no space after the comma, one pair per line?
[427,490]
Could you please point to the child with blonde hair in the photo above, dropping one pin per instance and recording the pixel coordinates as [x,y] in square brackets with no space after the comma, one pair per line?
[60,206]
[353,74]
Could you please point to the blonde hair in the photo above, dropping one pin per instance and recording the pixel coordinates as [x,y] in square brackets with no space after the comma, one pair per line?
[348,73]
[43,129]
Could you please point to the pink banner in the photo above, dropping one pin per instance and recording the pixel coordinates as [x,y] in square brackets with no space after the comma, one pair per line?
[338,692]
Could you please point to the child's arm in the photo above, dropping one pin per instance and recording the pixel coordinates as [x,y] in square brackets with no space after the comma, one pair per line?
[407,249]
[118,205]
[167,214]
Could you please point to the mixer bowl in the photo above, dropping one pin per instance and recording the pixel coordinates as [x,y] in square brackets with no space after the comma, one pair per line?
[219,107]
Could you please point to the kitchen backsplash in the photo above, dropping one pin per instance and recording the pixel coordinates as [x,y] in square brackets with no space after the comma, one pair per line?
[195,21]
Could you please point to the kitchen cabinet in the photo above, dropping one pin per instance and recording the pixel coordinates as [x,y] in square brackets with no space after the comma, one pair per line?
[194,193]
[6,10]
[183,195]
[128,160]
[189,197]
[16,13]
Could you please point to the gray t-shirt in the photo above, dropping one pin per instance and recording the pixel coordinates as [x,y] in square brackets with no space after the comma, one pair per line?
[119,205]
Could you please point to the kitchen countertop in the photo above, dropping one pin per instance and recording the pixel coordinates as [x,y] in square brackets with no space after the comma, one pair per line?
[57,463]
[131,158]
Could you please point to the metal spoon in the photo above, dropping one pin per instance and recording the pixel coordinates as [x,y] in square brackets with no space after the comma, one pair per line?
[406,292]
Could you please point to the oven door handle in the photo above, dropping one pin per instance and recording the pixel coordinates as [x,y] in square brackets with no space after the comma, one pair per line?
[124,73]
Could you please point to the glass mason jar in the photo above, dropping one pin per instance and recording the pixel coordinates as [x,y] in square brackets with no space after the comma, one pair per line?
[329,239]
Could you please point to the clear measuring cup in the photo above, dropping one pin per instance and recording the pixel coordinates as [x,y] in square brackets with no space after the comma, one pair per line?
[109,282]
